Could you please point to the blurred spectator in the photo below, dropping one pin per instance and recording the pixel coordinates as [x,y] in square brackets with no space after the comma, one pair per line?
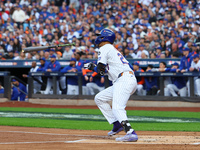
[1,57]
[153,55]
[150,23]
[19,16]
[158,52]
[167,53]
[127,54]
[4,15]
[141,50]
[20,57]
[59,55]
[67,53]
[46,55]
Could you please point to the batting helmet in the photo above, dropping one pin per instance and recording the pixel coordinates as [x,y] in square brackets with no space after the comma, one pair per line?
[105,35]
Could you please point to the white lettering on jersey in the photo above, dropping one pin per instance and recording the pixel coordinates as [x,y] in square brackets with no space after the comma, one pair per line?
[114,60]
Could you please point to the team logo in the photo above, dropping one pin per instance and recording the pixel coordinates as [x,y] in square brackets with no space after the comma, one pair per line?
[99,58]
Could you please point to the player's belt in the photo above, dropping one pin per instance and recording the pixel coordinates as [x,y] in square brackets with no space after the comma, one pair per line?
[121,74]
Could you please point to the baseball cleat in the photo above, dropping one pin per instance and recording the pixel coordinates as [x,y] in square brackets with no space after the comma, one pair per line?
[111,133]
[128,138]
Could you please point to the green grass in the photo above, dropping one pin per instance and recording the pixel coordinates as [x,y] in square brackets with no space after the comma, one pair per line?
[96,125]
[98,112]
[99,125]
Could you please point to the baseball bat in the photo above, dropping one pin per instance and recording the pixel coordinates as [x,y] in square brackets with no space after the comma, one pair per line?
[39,48]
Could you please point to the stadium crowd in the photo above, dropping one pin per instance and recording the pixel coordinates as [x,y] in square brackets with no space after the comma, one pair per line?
[143,28]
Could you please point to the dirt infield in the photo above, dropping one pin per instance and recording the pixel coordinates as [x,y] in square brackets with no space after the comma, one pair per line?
[51,139]
[26,138]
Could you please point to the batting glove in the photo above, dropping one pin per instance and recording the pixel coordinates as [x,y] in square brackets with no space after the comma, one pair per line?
[89,66]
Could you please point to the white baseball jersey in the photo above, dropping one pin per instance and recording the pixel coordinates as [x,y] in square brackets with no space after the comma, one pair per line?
[196,80]
[35,70]
[36,85]
[195,66]
[122,87]
[114,61]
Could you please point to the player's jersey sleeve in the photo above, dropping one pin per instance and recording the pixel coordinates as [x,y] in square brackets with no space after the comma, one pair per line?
[103,55]
[192,65]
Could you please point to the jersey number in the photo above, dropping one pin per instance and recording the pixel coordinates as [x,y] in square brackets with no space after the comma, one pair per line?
[121,58]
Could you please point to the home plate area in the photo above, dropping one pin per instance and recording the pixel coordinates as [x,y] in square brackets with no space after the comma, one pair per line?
[48,138]
[191,140]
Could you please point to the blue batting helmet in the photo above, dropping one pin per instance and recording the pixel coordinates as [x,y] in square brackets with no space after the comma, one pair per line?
[105,35]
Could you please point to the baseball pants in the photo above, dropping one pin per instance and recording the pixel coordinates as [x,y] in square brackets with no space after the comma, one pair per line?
[196,87]
[72,89]
[85,90]
[63,82]
[49,85]
[140,89]
[119,94]
[166,92]
[37,87]
[173,89]
[92,86]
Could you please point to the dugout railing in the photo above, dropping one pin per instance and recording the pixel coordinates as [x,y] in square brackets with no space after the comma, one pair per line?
[6,84]
[189,75]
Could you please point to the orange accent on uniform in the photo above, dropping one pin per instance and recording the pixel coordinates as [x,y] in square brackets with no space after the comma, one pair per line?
[94,74]
[142,79]
[85,71]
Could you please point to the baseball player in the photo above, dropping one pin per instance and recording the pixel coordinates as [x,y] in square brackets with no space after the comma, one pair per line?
[86,80]
[178,83]
[167,80]
[195,67]
[80,63]
[72,84]
[120,72]
[21,89]
[140,80]
[95,82]
[14,93]
[52,66]
[185,60]
[151,82]
[43,64]
[37,85]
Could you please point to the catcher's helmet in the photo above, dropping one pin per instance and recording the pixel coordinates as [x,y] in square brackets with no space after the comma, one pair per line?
[105,35]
